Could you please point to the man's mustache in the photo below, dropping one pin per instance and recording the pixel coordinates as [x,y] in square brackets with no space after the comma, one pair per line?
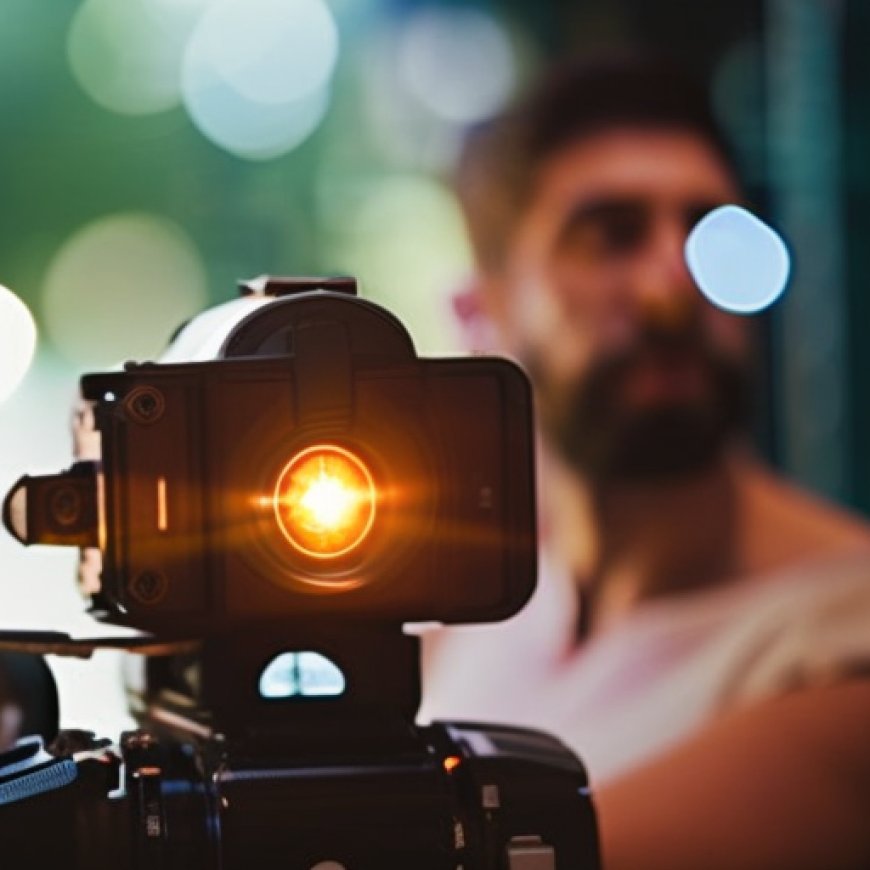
[656,344]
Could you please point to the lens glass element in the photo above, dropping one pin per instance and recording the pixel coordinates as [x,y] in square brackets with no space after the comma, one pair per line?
[325,501]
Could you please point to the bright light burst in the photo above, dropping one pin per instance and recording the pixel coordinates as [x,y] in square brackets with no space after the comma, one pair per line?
[325,501]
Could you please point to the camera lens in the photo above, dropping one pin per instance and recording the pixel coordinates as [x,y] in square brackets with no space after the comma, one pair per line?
[325,501]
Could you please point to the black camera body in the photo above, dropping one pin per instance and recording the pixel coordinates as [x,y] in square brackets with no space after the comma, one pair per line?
[192,454]
[284,510]
[464,797]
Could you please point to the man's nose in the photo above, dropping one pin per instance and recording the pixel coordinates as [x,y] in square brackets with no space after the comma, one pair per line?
[666,294]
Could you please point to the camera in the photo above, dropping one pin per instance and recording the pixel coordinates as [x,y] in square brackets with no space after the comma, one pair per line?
[270,520]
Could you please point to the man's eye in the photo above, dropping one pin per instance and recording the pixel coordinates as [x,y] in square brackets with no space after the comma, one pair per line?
[620,233]
[606,235]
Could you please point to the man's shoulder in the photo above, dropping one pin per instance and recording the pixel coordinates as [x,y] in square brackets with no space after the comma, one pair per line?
[797,763]
[805,624]
[782,524]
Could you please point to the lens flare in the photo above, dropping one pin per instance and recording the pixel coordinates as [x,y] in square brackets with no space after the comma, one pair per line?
[325,501]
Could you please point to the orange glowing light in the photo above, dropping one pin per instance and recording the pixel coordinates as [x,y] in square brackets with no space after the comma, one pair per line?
[325,501]
[451,762]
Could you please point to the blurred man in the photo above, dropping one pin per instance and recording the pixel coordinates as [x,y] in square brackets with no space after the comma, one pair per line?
[701,631]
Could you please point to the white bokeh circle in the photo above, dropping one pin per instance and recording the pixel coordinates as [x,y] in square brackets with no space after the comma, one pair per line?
[256,74]
[256,131]
[738,262]
[269,51]
[17,341]
[458,62]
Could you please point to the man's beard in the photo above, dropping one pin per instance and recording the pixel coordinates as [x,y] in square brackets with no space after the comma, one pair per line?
[597,434]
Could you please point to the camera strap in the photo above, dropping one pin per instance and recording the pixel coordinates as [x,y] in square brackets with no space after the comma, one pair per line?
[28,770]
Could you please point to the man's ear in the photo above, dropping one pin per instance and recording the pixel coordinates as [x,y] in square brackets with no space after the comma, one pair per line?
[471,302]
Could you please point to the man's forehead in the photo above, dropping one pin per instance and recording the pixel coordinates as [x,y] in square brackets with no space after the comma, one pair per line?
[656,164]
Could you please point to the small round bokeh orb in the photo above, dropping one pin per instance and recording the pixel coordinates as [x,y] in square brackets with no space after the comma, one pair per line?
[738,262]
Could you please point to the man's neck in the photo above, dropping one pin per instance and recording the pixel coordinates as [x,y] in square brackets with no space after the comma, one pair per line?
[628,543]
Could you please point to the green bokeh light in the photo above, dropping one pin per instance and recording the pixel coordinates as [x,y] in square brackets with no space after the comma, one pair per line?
[119,287]
[405,241]
[127,56]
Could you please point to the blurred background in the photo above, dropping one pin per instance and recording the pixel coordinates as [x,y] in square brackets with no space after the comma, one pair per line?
[153,152]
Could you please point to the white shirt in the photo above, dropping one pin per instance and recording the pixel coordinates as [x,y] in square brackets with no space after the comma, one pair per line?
[663,671]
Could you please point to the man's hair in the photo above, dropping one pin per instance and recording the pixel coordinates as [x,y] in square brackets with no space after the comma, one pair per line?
[501,156]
